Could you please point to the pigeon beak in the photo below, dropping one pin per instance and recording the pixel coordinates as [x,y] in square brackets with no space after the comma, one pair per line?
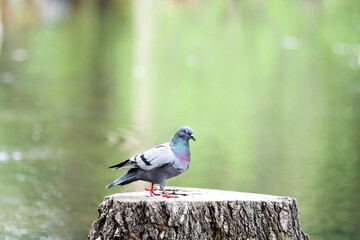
[192,137]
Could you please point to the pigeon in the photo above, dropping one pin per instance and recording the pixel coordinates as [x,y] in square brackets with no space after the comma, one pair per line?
[159,163]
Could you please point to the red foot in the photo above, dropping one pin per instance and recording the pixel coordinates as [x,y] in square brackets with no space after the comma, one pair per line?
[169,196]
[152,193]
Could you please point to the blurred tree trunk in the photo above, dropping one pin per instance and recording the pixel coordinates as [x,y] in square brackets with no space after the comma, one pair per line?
[144,32]
[142,82]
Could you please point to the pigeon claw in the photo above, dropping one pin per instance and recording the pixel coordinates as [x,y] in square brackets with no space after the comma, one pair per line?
[152,193]
[169,196]
[151,190]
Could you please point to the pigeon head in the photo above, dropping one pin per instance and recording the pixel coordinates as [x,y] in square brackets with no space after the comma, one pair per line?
[184,133]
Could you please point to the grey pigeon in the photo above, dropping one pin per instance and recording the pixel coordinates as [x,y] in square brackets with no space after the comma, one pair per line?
[159,163]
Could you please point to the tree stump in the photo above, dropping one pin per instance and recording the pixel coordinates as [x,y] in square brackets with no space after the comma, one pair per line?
[197,214]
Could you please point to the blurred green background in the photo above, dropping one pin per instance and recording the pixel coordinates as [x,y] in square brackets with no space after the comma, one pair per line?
[271,89]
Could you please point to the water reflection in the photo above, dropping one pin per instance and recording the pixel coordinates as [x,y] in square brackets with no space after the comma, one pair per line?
[275,110]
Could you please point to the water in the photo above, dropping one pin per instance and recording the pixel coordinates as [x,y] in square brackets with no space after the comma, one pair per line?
[271,91]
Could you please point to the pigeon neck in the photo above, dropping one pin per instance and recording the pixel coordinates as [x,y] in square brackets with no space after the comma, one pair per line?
[181,148]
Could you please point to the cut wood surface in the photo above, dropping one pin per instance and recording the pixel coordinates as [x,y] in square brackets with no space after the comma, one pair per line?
[197,214]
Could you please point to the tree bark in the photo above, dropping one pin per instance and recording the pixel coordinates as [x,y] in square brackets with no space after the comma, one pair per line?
[197,214]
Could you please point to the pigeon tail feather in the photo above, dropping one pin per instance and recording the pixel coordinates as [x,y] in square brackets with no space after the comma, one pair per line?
[120,165]
[129,177]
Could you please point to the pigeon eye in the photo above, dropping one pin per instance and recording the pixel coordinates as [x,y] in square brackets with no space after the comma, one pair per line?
[186,131]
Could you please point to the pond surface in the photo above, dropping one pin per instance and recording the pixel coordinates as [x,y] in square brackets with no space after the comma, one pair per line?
[271,91]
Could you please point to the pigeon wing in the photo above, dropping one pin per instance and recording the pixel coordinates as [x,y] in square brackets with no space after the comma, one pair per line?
[153,158]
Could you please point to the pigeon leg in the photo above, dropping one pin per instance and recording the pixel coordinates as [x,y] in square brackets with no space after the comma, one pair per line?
[169,196]
[152,193]
[162,186]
